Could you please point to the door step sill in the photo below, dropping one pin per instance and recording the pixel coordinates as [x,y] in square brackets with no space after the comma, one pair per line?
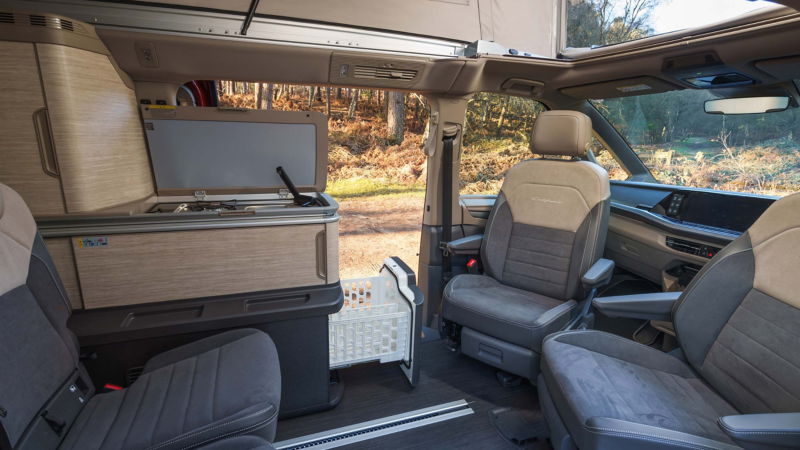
[377,428]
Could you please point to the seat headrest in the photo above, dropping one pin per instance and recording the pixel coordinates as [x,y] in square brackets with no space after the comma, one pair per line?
[562,133]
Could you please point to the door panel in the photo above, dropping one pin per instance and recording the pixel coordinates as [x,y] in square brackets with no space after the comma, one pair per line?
[475,209]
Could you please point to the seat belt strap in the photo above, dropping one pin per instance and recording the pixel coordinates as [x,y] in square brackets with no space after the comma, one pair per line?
[447,205]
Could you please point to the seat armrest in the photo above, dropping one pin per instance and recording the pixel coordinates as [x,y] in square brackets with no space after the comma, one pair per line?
[470,245]
[599,274]
[763,431]
[640,306]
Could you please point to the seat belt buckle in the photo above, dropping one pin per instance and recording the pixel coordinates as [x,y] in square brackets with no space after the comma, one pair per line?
[110,388]
[473,266]
[444,249]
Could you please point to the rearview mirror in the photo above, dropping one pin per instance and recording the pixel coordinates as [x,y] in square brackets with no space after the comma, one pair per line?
[748,105]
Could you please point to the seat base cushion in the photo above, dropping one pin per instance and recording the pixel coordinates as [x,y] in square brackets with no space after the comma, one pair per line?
[221,392]
[513,315]
[612,392]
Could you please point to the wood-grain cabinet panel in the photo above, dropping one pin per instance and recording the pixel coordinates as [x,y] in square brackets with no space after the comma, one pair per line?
[156,267]
[96,128]
[21,165]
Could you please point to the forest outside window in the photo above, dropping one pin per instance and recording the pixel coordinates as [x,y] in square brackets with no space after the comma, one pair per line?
[497,136]
[681,145]
[596,23]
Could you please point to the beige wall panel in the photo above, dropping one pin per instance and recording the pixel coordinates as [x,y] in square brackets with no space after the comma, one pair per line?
[61,251]
[155,267]
[97,131]
[20,159]
[332,241]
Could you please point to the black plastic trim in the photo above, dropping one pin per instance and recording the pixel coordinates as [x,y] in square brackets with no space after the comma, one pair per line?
[119,324]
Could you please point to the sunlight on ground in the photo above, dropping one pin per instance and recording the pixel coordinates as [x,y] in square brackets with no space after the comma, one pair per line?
[362,187]
[374,228]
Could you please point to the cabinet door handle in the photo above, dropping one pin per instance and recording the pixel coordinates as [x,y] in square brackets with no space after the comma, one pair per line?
[47,148]
[322,256]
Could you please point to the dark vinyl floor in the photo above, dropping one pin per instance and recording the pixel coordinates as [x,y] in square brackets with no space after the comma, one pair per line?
[373,391]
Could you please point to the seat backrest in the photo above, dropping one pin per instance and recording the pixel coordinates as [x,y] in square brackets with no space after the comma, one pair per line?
[549,223]
[738,321]
[37,353]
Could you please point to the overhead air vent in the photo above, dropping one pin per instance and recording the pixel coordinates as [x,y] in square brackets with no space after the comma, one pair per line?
[362,69]
[384,73]
[37,20]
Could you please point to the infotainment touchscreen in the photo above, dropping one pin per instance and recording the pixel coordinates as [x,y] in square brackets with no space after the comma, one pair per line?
[730,212]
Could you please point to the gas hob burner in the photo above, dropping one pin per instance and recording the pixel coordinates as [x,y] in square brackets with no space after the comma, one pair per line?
[211,206]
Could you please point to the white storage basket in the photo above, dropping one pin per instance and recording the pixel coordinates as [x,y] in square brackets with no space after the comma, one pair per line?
[373,325]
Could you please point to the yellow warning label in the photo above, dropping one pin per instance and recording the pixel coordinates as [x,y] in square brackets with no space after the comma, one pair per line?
[161,106]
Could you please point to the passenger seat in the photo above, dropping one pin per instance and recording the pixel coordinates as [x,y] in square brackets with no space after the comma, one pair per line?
[212,389]
[545,232]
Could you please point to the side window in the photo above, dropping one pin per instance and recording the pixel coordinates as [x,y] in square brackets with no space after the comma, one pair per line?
[681,145]
[606,160]
[497,136]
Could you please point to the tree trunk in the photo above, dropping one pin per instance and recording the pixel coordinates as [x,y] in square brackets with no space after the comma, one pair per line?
[311,92]
[395,115]
[338,93]
[328,100]
[270,92]
[259,95]
[502,118]
[234,87]
[351,112]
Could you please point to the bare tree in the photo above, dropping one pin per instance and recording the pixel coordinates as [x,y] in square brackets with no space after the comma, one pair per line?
[269,95]
[351,112]
[396,115]
[328,100]
[259,95]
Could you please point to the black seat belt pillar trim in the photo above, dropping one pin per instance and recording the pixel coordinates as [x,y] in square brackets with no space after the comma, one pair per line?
[448,138]
[5,442]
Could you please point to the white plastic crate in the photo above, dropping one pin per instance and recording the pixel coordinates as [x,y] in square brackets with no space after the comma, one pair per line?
[373,325]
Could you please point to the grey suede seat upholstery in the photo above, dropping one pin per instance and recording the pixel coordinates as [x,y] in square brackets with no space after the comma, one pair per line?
[738,325]
[241,443]
[219,387]
[546,229]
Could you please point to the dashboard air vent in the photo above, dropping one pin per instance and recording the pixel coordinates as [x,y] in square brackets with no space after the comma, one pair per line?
[6,17]
[384,73]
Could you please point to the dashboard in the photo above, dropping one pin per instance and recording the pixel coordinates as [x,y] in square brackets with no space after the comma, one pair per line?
[724,212]
[666,233]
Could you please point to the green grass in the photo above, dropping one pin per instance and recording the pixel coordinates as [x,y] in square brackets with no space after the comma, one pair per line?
[363,187]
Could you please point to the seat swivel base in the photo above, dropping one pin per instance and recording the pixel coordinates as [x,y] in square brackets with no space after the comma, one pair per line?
[495,352]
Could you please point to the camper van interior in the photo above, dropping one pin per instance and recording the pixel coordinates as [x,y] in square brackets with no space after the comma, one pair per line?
[605,230]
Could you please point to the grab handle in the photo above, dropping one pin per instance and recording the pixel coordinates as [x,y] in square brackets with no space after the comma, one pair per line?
[47,148]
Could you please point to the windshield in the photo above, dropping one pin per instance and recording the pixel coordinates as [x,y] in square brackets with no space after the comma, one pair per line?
[604,22]
[682,145]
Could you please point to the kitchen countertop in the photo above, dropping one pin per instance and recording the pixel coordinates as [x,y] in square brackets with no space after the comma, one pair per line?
[133,218]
